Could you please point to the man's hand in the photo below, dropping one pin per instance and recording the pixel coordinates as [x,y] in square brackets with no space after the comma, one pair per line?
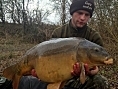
[33,73]
[76,70]
[93,70]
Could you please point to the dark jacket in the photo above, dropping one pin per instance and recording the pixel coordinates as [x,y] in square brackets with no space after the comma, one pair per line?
[30,82]
[86,32]
[26,82]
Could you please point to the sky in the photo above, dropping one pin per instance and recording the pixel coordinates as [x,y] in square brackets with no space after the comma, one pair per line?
[44,4]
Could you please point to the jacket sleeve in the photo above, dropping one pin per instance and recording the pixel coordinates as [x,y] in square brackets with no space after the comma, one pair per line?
[96,38]
[57,33]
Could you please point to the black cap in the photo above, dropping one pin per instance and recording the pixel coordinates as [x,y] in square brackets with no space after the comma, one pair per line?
[87,5]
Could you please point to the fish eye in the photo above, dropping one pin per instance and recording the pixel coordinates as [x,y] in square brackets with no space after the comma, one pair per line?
[96,49]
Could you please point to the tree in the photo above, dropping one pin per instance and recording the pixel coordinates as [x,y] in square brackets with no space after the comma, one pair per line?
[62,9]
[106,17]
[2,16]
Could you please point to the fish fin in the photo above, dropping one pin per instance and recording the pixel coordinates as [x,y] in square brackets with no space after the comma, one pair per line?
[9,73]
[15,72]
[16,80]
[19,69]
[58,85]
[82,73]
[62,85]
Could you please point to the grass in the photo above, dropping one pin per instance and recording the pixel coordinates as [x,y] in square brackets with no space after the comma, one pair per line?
[11,50]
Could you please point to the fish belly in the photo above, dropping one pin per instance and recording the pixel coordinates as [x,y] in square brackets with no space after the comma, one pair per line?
[56,67]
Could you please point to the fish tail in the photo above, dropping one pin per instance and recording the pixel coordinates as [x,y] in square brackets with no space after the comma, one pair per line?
[17,69]
[9,72]
[15,72]
[11,75]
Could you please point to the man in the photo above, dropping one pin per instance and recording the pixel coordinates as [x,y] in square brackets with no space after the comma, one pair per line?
[81,11]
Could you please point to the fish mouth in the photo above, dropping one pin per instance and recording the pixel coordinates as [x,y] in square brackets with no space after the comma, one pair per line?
[108,61]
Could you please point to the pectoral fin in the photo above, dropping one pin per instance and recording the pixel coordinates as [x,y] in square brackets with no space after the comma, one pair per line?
[58,85]
[82,74]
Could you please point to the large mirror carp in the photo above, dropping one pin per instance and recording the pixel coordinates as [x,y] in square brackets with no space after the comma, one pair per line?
[53,60]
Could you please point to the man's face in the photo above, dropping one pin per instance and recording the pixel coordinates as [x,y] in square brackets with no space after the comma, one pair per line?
[80,18]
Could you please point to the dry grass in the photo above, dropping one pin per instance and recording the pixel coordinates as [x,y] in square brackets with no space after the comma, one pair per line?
[11,50]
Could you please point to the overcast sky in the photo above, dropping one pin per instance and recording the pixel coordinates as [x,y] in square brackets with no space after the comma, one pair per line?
[44,4]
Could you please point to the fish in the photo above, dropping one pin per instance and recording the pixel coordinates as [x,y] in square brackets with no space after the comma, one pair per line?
[53,60]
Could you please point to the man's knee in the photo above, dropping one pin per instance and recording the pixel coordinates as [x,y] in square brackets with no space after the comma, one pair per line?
[92,82]
[5,83]
[101,82]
